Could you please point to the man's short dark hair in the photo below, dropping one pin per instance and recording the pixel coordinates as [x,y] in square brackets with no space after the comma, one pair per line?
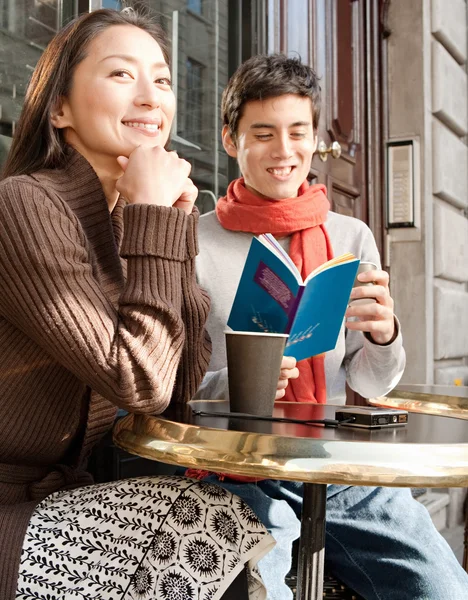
[268,76]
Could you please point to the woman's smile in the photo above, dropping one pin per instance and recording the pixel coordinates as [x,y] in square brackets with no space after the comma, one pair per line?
[150,127]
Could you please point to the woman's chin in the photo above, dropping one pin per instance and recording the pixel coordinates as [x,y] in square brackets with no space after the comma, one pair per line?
[145,141]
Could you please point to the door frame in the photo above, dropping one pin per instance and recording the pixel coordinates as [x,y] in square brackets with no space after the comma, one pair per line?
[376,97]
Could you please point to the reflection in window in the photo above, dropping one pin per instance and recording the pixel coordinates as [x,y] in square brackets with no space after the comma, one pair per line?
[193,118]
[298,29]
[116,4]
[30,19]
[195,6]
[26,27]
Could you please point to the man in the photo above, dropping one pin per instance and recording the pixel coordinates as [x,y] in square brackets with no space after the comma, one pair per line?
[379,541]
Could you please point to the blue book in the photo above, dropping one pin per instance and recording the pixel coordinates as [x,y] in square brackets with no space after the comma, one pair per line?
[271,297]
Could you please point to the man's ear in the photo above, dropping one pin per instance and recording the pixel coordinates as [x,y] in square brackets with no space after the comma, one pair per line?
[59,114]
[228,142]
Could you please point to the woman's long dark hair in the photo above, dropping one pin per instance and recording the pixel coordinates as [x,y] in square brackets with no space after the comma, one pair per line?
[37,144]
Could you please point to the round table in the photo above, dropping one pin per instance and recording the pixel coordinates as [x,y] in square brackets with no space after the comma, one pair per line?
[430,451]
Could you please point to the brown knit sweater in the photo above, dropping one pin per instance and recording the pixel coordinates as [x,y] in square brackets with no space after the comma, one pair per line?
[97,311]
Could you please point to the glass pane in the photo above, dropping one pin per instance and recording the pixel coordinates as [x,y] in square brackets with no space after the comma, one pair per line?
[194,108]
[298,29]
[198,30]
[26,26]
[195,6]
[115,4]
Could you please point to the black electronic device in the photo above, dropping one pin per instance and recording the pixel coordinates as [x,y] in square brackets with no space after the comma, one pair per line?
[369,417]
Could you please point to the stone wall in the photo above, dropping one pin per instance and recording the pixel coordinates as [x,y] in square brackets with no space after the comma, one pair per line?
[427,88]
[449,186]
[408,89]
[427,91]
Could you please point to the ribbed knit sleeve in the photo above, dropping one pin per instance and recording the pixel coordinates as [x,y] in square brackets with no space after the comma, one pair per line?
[165,232]
[128,353]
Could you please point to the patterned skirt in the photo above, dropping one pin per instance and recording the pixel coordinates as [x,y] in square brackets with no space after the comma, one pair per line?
[169,538]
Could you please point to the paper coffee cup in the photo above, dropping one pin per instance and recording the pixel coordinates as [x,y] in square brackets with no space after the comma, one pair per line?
[254,365]
[363,267]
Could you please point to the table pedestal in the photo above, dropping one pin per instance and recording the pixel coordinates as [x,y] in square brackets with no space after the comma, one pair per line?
[312,543]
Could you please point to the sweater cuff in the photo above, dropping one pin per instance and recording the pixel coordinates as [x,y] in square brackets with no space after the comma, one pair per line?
[192,234]
[151,230]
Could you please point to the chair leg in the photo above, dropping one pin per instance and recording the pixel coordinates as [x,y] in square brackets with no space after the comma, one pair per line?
[239,588]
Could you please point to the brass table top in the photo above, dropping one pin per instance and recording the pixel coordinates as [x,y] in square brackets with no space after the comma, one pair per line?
[429,451]
[445,401]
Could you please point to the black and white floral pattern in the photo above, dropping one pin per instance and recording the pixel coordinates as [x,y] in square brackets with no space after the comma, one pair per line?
[169,538]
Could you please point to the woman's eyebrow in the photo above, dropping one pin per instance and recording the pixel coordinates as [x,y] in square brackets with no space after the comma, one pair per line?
[133,59]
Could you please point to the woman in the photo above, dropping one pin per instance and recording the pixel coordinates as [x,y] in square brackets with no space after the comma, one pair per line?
[99,310]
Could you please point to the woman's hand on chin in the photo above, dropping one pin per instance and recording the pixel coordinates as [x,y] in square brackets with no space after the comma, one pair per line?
[155,176]
[188,197]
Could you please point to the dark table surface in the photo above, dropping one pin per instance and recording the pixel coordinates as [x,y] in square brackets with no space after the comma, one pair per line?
[419,430]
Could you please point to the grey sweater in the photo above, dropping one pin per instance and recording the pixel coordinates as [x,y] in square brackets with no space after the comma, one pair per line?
[369,369]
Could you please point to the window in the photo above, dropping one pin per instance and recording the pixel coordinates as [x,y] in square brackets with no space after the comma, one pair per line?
[116,4]
[297,28]
[204,52]
[194,113]
[195,6]
[26,27]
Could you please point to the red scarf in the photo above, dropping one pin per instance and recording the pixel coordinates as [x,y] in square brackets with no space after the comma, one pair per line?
[303,218]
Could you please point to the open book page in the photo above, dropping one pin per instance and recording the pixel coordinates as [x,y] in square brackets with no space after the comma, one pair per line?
[343,258]
[268,240]
[267,295]
[321,310]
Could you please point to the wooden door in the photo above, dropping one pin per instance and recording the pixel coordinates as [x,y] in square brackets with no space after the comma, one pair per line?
[338,56]
[341,40]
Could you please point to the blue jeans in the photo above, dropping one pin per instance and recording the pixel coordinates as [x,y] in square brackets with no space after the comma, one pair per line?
[379,541]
